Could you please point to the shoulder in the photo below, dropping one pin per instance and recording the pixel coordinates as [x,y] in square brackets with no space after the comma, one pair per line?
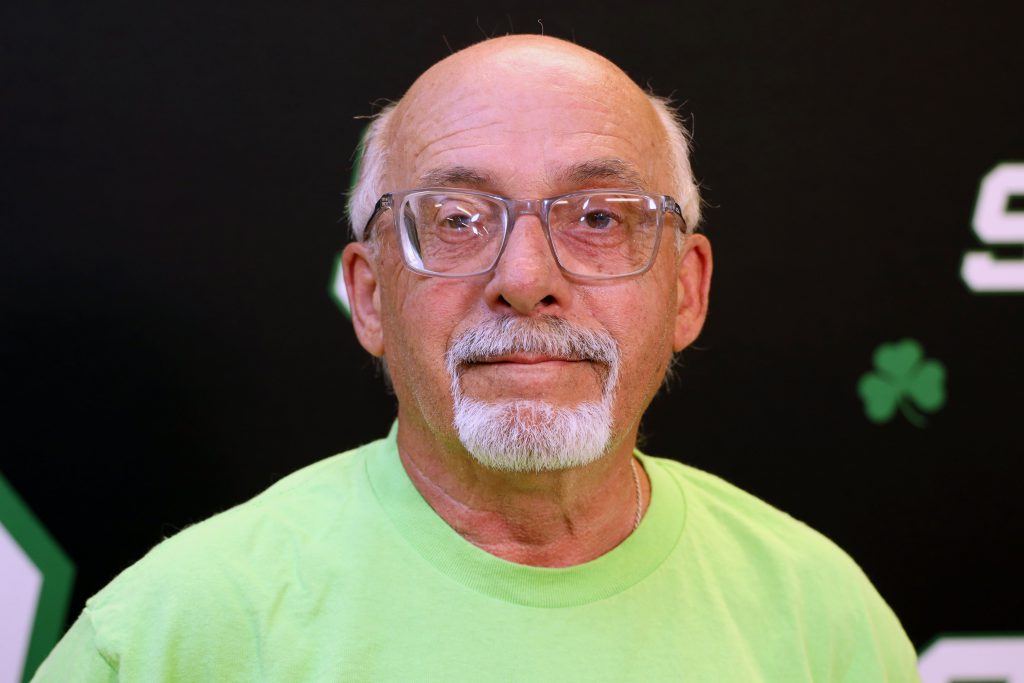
[714,506]
[780,568]
[212,571]
[757,538]
[290,505]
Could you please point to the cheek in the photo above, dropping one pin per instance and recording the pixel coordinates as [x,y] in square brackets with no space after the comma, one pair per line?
[422,316]
[641,321]
[639,314]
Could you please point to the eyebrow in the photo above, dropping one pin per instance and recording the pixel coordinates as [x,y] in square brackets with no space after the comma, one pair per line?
[608,170]
[454,176]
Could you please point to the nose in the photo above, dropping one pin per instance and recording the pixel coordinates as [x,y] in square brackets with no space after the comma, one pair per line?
[527,278]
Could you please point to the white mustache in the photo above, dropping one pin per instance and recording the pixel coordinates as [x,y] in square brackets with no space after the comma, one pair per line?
[547,335]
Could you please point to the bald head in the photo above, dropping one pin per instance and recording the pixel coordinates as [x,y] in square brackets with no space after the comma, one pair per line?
[521,54]
[517,116]
[512,64]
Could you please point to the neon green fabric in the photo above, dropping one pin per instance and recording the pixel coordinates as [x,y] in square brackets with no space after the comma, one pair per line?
[342,572]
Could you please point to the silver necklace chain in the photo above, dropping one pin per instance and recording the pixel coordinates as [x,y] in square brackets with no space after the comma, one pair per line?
[639,494]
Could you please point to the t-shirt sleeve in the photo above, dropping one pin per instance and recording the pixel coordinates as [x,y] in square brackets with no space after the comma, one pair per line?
[884,653]
[76,657]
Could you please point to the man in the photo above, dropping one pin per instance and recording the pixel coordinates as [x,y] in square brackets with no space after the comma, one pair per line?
[526,268]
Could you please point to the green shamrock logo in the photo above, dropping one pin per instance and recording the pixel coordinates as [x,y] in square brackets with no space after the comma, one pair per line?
[902,379]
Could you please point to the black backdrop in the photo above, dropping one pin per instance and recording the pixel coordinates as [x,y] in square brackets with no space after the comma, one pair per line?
[170,197]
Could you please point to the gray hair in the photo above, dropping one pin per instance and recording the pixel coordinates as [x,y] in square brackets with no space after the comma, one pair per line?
[373,154]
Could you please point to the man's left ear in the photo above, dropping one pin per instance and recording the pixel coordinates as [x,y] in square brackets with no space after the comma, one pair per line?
[694,272]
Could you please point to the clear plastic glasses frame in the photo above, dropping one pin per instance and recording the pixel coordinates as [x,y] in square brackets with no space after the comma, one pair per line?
[513,209]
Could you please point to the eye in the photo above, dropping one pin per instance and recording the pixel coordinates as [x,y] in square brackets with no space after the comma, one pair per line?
[460,221]
[459,215]
[598,219]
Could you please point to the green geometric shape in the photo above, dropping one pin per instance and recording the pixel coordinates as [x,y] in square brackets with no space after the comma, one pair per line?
[927,387]
[337,289]
[57,575]
[904,380]
[880,398]
[898,359]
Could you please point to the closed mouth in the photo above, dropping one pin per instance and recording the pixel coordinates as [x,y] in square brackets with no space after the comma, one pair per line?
[525,359]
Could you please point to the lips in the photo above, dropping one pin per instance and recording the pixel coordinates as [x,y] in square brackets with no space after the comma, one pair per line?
[526,359]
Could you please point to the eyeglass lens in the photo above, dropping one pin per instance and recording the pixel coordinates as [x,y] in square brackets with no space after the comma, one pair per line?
[593,234]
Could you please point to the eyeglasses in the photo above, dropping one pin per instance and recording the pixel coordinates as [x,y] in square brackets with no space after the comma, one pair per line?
[593,234]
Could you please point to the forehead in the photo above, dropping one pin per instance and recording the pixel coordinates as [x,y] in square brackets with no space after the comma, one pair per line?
[527,127]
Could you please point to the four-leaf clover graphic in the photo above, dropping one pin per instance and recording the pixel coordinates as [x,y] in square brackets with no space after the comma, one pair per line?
[902,379]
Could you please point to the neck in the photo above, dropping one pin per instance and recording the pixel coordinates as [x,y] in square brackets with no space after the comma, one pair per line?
[543,519]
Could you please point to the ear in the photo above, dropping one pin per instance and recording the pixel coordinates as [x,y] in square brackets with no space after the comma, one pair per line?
[694,281]
[363,287]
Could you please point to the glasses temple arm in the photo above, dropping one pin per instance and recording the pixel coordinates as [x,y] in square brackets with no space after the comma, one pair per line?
[383,203]
[672,206]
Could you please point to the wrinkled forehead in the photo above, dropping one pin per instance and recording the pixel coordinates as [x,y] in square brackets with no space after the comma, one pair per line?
[526,122]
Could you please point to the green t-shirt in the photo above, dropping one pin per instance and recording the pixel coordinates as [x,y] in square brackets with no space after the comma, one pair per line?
[342,572]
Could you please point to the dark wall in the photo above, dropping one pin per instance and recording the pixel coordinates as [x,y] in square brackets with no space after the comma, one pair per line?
[172,178]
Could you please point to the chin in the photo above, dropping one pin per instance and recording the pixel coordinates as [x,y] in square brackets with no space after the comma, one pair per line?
[533,435]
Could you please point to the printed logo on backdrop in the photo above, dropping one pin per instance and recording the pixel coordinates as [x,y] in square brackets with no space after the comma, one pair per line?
[998,223]
[903,381]
[35,585]
[973,659]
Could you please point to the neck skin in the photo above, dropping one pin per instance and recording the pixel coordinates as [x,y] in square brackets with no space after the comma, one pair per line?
[545,519]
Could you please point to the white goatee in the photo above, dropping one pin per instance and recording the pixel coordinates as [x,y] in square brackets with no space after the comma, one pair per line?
[528,435]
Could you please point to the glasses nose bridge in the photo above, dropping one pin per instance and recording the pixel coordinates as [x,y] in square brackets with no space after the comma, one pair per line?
[517,208]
